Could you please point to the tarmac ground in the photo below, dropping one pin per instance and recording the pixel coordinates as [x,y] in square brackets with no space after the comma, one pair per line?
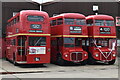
[8,70]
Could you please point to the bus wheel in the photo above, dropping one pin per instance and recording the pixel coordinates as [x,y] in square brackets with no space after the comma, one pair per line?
[111,62]
[91,61]
[60,60]
[84,62]
[14,62]
[6,59]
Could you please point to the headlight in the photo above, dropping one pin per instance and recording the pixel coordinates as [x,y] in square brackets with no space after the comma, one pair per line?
[114,55]
[96,55]
[66,55]
[85,54]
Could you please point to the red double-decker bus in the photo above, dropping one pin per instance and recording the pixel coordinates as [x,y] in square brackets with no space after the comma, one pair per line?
[28,38]
[102,39]
[68,37]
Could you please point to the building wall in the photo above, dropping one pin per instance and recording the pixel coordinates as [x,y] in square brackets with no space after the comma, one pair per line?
[7,12]
[9,7]
[110,8]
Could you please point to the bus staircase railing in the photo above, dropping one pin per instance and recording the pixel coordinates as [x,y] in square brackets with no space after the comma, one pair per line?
[21,53]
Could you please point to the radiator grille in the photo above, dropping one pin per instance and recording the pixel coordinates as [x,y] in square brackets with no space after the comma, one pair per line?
[75,56]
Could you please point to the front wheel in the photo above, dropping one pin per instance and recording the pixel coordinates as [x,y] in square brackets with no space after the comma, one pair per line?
[111,62]
[60,60]
[91,61]
[84,62]
[14,62]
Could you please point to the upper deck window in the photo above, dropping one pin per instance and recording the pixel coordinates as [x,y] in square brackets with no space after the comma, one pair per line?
[90,22]
[53,23]
[59,21]
[109,23]
[80,22]
[35,18]
[69,21]
[99,22]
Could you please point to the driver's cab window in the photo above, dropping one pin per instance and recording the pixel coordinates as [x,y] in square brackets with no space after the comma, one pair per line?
[78,42]
[69,42]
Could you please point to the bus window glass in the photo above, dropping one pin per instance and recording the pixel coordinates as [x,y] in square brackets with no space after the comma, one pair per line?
[102,43]
[109,23]
[53,22]
[17,19]
[50,23]
[21,40]
[14,21]
[13,41]
[35,18]
[89,22]
[99,22]
[59,21]
[69,42]
[37,41]
[80,22]
[105,43]
[69,21]
[78,42]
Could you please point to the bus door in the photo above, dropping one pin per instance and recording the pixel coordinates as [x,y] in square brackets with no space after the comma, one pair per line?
[21,40]
[85,44]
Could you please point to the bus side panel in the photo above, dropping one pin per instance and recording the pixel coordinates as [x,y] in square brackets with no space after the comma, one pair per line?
[44,58]
[53,49]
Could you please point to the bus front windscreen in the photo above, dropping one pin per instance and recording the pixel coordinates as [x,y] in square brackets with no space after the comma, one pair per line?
[69,21]
[104,23]
[99,22]
[110,23]
[37,41]
[35,18]
[69,42]
[72,42]
[80,22]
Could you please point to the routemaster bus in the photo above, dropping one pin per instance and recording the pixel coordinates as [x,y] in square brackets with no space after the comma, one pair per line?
[28,38]
[102,39]
[68,36]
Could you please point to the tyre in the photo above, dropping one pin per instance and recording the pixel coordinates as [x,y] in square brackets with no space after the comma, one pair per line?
[14,62]
[60,60]
[111,62]
[6,59]
[84,62]
[91,60]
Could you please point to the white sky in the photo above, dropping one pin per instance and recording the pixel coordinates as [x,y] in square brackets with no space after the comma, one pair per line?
[42,1]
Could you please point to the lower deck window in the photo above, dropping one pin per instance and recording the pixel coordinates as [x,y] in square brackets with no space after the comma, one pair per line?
[37,41]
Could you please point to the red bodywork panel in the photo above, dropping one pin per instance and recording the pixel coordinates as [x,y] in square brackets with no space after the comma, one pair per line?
[63,31]
[94,33]
[23,28]
[24,25]
[2,47]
